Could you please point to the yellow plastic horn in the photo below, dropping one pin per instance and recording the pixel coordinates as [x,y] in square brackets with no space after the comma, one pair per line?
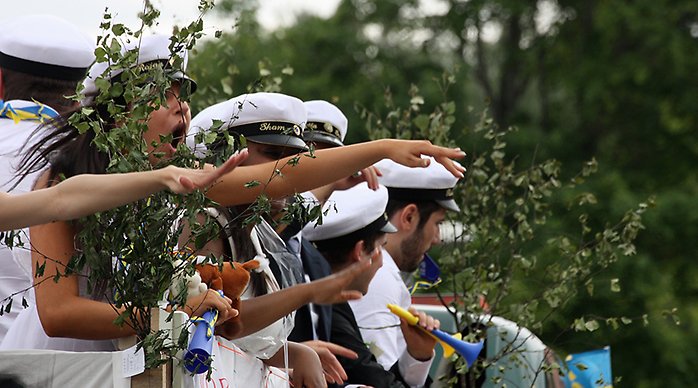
[449,343]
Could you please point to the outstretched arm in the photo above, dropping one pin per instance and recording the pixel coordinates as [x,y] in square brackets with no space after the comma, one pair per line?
[328,166]
[259,312]
[81,195]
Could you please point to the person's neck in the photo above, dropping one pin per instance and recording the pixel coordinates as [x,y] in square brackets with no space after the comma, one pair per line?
[393,249]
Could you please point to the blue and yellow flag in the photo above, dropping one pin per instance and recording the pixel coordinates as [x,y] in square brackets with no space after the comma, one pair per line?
[590,369]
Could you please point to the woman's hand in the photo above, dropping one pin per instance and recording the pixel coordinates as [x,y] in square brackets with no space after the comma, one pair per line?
[409,153]
[185,180]
[307,368]
[369,175]
[211,299]
[334,373]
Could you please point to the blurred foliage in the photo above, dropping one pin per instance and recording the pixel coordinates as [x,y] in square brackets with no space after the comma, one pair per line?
[608,82]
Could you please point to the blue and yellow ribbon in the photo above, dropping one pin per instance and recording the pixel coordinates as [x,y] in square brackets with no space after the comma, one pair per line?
[424,285]
[38,112]
[209,325]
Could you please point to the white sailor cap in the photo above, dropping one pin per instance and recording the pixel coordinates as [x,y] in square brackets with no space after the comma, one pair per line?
[45,46]
[352,215]
[151,49]
[432,183]
[326,123]
[267,118]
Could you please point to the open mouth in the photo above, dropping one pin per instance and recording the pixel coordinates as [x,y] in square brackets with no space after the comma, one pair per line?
[178,135]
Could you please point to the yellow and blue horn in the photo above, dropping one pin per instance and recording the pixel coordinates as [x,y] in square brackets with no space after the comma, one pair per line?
[197,359]
[449,343]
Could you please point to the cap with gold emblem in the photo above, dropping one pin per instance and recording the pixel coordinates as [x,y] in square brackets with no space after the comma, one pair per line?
[432,183]
[351,215]
[326,123]
[266,118]
[153,50]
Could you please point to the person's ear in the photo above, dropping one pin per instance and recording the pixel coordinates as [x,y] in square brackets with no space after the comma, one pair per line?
[357,252]
[408,217]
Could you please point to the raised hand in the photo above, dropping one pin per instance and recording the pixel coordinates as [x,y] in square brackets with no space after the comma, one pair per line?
[409,153]
[332,289]
[187,180]
[369,175]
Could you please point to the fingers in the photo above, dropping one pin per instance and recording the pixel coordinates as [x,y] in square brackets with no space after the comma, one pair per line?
[235,160]
[229,165]
[370,175]
[453,167]
[332,368]
[426,321]
[341,350]
[348,295]
[187,185]
[213,300]
[194,179]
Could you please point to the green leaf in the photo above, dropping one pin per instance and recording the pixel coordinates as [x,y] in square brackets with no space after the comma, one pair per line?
[591,325]
[615,285]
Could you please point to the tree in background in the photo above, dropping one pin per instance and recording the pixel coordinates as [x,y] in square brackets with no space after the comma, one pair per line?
[579,79]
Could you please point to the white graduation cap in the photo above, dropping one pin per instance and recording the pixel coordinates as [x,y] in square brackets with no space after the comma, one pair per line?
[432,183]
[352,214]
[151,49]
[267,118]
[326,123]
[45,46]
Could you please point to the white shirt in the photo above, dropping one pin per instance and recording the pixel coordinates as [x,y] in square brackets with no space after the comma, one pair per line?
[381,329]
[15,268]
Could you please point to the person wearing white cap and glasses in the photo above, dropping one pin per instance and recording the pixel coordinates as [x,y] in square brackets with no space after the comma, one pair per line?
[65,308]
[271,124]
[326,127]
[419,199]
[64,312]
[42,59]
[355,229]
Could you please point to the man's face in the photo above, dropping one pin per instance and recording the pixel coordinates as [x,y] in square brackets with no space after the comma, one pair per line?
[417,244]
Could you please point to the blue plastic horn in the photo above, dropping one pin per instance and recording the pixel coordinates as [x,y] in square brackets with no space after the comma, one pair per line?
[450,343]
[198,355]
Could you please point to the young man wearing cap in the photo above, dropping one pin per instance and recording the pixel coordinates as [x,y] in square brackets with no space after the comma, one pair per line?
[272,126]
[354,232]
[326,127]
[42,59]
[419,199]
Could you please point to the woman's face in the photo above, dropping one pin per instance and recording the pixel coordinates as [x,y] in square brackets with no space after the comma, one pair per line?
[173,118]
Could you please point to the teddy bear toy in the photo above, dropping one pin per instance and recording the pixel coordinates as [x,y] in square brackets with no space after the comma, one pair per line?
[232,280]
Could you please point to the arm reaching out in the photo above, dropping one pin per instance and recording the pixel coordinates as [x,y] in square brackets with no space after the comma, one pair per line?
[82,195]
[329,165]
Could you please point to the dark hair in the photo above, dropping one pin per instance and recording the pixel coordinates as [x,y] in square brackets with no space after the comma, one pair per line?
[68,151]
[48,91]
[425,209]
[336,255]
[244,249]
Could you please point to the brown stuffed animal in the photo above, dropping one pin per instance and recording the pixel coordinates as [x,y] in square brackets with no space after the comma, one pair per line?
[232,280]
